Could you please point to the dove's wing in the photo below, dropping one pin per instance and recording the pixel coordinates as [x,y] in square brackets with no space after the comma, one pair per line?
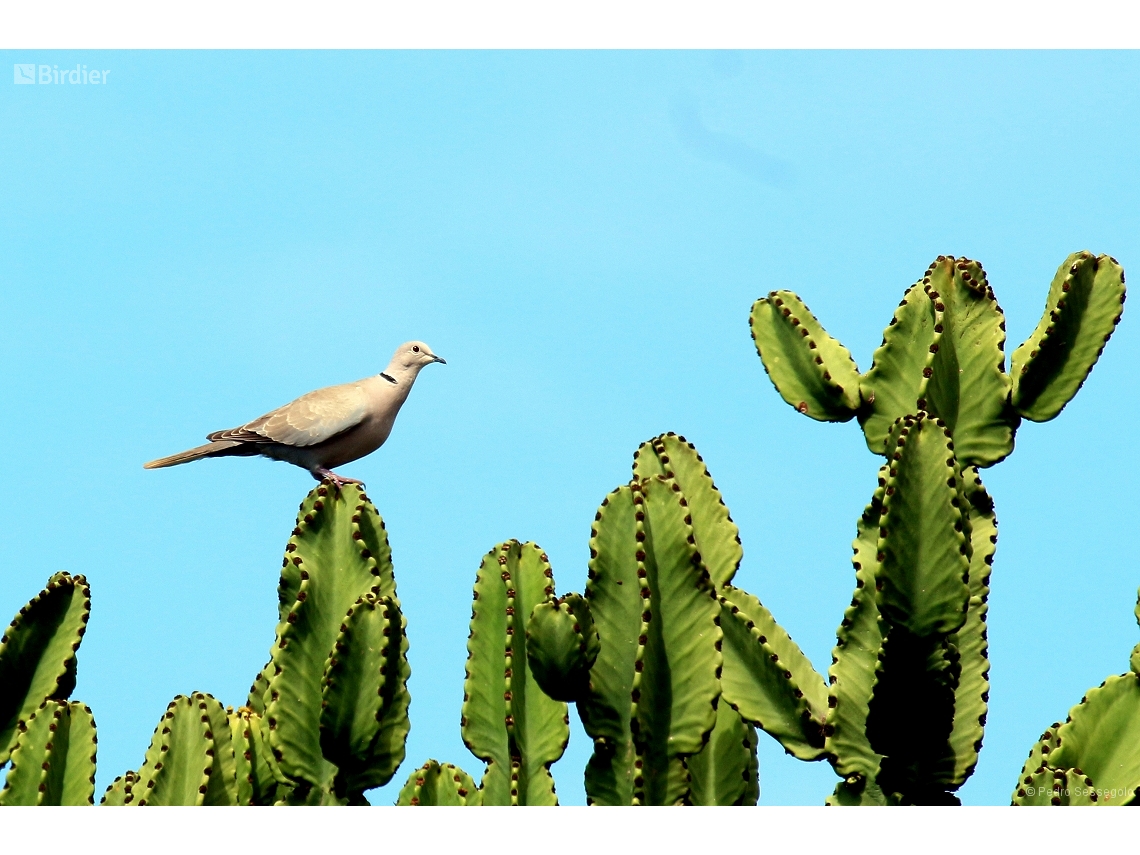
[309,420]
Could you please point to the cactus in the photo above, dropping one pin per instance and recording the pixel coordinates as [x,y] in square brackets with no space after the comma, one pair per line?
[507,721]
[53,761]
[649,697]
[943,353]
[440,784]
[331,707]
[1094,756]
[190,760]
[726,771]
[914,636]
[37,653]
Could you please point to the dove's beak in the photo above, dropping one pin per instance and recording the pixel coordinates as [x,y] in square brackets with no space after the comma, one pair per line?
[438,359]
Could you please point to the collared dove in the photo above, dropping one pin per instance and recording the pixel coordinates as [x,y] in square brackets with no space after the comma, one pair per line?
[325,428]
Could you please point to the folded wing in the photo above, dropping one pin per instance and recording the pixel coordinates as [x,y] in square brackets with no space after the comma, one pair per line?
[309,420]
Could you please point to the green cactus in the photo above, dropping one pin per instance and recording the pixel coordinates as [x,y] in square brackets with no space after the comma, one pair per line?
[37,653]
[943,353]
[649,699]
[507,721]
[330,710]
[563,647]
[440,784]
[190,760]
[1084,305]
[1094,756]
[53,761]
[726,771]
[914,636]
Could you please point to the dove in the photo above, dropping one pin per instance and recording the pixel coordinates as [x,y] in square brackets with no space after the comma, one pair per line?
[326,428]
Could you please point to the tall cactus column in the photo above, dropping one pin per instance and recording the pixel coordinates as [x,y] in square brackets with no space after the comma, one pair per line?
[508,722]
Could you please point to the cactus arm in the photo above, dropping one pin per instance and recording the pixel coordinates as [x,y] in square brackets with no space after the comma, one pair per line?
[972,692]
[811,370]
[338,552]
[718,538]
[389,747]
[177,768]
[923,534]
[439,784]
[37,652]
[896,382]
[561,646]
[507,721]
[724,772]
[859,642]
[614,597]
[968,387]
[53,762]
[675,686]
[364,690]
[1102,735]
[1084,305]
[768,679]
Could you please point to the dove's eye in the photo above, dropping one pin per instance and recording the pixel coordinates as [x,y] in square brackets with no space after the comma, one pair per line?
[415,348]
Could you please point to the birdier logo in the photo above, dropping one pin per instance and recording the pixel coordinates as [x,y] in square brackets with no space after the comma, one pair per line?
[29,72]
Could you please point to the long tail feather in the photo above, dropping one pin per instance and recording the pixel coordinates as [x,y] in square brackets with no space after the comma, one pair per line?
[210,449]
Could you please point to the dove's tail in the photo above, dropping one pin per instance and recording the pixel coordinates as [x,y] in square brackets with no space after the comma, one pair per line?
[210,449]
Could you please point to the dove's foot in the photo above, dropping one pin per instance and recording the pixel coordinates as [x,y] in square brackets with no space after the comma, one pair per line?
[322,474]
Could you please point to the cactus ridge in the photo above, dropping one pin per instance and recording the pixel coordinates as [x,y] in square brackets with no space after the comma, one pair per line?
[38,650]
[971,697]
[726,770]
[902,366]
[859,642]
[812,371]
[516,729]
[1084,305]
[440,784]
[190,760]
[364,720]
[718,538]
[53,762]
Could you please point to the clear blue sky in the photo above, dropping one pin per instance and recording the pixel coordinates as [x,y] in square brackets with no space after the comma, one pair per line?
[206,236]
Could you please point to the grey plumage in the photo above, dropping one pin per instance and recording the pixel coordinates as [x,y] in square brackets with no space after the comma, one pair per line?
[325,428]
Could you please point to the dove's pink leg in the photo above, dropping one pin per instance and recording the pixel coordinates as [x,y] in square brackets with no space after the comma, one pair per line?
[322,474]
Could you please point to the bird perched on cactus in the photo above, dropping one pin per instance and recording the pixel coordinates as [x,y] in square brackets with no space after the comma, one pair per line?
[326,428]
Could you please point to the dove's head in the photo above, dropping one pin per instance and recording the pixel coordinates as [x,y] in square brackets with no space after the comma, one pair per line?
[414,355]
